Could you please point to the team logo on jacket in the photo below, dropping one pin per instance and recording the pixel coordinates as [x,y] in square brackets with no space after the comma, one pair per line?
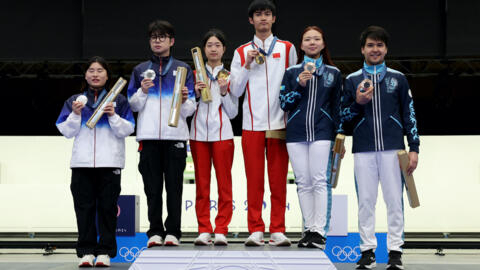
[327,79]
[392,84]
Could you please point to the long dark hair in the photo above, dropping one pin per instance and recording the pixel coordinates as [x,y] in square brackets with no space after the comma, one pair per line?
[100,60]
[324,53]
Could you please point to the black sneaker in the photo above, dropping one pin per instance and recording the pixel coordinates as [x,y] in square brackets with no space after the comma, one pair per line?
[304,241]
[394,260]
[317,241]
[367,261]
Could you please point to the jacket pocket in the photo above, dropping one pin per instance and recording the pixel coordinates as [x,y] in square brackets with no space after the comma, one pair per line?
[326,114]
[358,124]
[396,121]
[293,115]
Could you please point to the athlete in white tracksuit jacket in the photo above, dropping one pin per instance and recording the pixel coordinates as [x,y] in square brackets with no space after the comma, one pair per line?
[262,113]
[211,141]
[97,159]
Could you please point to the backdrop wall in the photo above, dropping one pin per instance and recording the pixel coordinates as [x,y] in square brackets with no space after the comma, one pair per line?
[35,194]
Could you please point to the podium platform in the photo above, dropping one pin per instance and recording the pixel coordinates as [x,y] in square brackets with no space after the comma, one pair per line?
[231,257]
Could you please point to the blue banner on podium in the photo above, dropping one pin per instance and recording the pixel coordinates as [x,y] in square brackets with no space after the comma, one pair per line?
[339,249]
[128,215]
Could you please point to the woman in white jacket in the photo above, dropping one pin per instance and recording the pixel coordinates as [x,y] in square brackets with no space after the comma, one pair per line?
[211,140]
[97,159]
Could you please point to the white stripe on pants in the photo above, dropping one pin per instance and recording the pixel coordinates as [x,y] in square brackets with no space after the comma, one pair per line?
[370,169]
[309,162]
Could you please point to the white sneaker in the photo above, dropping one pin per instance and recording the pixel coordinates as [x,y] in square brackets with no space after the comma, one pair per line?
[103,261]
[155,240]
[279,239]
[255,239]
[203,239]
[86,261]
[220,240]
[171,240]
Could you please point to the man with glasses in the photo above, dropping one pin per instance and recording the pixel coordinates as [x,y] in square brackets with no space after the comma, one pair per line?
[162,148]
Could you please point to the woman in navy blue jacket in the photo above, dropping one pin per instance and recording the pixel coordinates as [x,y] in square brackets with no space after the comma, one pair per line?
[310,93]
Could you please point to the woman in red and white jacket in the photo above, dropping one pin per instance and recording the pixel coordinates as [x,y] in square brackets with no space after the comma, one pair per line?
[211,139]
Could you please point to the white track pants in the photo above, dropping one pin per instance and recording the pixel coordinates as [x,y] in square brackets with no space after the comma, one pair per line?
[309,162]
[370,169]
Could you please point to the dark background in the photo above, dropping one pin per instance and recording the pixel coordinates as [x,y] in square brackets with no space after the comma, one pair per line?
[44,45]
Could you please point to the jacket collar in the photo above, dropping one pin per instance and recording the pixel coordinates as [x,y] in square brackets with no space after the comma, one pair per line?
[379,70]
[318,62]
[156,59]
[215,70]
[372,69]
[263,44]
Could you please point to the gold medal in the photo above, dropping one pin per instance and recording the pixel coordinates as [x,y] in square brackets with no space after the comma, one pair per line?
[260,58]
[223,74]
[310,67]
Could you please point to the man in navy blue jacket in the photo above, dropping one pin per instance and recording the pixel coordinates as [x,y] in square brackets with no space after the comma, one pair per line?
[382,113]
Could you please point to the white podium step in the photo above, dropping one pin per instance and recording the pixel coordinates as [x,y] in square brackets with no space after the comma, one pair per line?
[232,257]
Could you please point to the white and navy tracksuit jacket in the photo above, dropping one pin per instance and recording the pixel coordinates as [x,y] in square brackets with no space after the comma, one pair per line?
[104,145]
[379,127]
[313,118]
[162,148]
[154,108]
[261,106]
[314,110]
[381,124]
[211,121]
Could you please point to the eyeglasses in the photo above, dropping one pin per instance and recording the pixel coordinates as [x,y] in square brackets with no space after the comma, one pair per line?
[161,38]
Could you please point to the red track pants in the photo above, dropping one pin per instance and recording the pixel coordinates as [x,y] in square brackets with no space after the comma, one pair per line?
[255,147]
[221,153]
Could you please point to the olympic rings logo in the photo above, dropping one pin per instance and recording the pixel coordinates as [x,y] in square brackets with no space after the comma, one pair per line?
[352,254]
[130,254]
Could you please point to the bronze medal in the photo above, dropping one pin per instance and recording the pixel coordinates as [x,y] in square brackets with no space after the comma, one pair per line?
[310,67]
[366,85]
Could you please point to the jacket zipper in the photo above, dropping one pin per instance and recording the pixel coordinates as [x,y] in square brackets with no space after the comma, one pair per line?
[268,96]
[94,145]
[95,137]
[160,99]
[208,109]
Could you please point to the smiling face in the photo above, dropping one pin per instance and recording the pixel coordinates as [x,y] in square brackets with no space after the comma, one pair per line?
[214,49]
[96,76]
[374,51]
[262,21]
[312,43]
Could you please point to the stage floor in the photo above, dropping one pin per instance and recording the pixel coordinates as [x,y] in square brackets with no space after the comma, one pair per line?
[414,259]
